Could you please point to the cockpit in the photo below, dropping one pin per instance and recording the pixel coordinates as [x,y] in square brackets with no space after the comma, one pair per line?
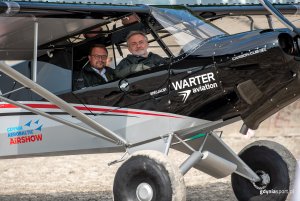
[63,44]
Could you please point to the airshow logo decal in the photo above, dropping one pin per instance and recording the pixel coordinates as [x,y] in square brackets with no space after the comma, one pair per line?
[29,132]
[198,83]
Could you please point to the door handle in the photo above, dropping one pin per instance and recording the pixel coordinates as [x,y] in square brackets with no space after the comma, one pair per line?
[124,85]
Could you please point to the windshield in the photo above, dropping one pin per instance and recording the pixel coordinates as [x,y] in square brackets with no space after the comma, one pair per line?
[183,30]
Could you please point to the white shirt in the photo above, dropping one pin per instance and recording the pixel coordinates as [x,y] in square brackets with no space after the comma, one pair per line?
[102,73]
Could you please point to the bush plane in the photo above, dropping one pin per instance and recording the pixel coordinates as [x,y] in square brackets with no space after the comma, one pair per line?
[211,79]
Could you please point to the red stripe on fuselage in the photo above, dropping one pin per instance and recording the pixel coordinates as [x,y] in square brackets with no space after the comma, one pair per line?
[7,106]
[122,111]
[92,109]
[42,106]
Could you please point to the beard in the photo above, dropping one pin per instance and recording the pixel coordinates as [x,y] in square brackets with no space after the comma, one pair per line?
[141,53]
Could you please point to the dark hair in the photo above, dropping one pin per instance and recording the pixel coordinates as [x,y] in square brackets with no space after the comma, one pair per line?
[132,33]
[98,46]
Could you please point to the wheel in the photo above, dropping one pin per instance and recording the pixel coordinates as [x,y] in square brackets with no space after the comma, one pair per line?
[148,176]
[274,164]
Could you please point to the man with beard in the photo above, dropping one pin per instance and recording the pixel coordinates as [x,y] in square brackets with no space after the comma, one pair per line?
[97,72]
[139,59]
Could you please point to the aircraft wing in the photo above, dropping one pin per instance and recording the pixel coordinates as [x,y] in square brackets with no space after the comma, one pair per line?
[55,22]
[59,21]
[17,34]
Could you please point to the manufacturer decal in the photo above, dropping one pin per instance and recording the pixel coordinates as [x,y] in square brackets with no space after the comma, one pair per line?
[29,132]
[249,54]
[198,83]
[194,81]
[185,95]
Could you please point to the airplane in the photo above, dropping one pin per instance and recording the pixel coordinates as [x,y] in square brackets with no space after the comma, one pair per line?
[210,79]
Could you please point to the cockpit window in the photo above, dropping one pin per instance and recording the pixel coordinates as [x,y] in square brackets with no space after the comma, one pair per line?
[182,31]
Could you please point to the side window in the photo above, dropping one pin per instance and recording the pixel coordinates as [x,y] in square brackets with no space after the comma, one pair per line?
[57,66]
[97,67]
[295,19]
[176,42]
[53,75]
[154,47]
[246,23]
[121,52]
[243,23]
[111,62]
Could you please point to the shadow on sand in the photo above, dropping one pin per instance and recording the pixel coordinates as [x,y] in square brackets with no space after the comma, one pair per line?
[213,192]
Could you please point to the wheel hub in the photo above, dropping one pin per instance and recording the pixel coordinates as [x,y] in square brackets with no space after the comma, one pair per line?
[264,182]
[144,192]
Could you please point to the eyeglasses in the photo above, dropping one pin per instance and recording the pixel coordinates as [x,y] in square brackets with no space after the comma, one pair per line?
[103,57]
[134,44]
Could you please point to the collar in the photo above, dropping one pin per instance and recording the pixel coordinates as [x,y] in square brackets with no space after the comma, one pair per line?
[100,72]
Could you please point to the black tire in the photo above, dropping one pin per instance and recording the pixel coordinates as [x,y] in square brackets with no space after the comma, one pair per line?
[154,169]
[274,160]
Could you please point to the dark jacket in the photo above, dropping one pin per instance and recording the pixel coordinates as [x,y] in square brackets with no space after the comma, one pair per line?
[92,78]
[133,63]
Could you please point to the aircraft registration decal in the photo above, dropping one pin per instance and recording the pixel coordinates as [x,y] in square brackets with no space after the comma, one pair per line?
[30,132]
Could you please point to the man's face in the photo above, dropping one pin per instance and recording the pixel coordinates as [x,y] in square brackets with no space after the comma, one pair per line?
[138,45]
[98,58]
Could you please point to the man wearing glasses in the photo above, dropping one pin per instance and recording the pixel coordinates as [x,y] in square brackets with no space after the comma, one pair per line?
[97,72]
[139,59]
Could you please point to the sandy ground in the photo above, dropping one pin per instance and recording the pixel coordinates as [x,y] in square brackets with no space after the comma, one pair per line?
[89,178]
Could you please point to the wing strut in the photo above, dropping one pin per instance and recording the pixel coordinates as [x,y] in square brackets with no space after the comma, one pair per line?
[35,47]
[279,16]
[61,103]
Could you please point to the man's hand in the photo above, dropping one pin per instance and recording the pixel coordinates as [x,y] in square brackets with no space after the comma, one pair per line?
[140,67]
